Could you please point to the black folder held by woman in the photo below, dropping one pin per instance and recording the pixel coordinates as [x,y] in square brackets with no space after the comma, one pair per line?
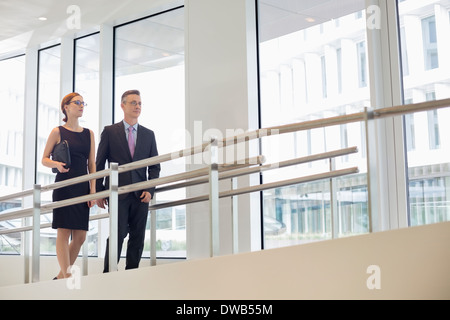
[61,153]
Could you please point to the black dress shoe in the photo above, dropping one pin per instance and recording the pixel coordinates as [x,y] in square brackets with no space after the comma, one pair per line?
[55,278]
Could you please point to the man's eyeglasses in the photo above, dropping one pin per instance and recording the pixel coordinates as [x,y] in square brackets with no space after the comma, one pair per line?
[135,103]
[79,103]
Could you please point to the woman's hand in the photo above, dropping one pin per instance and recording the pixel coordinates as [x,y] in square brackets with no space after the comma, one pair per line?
[60,167]
[92,203]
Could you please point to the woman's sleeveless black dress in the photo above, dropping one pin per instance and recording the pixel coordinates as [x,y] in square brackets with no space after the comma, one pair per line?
[74,217]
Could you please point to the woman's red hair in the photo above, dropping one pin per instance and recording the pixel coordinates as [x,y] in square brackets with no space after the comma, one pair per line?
[66,100]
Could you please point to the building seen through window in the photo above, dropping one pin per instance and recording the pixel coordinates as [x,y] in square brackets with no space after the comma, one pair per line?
[321,70]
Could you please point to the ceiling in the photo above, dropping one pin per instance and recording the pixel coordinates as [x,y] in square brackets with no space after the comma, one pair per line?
[22,16]
[19,18]
[280,17]
[20,26]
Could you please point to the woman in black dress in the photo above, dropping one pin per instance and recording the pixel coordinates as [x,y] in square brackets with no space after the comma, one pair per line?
[71,220]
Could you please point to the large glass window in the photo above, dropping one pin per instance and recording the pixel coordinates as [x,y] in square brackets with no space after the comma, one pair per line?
[49,116]
[149,56]
[86,83]
[87,65]
[12,88]
[425,30]
[313,64]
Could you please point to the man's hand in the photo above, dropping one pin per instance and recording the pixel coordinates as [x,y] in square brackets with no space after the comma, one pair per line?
[102,202]
[146,197]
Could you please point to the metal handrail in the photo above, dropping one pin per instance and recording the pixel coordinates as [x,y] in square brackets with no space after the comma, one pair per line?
[342,119]
[305,125]
[97,175]
[38,209]
[163,158]
[20,194]
[227,171]
[23,213]
[410,108]
[244,171]
[259,187]
[79,179]
[211,171]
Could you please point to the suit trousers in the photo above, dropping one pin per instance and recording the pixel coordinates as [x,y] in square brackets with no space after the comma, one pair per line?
[132,220]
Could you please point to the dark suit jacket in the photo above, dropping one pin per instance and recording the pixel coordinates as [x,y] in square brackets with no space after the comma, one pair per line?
[113,147]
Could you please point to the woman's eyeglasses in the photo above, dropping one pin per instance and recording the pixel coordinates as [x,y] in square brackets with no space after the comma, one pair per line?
[79,103]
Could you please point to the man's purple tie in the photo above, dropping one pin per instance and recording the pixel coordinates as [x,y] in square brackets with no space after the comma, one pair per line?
[131,140]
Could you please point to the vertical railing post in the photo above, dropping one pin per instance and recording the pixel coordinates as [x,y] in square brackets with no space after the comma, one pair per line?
[26,244]
[367,117]
[36,242]
[85,251]
[234,216]
[113,215]
[214,198]
[153,233]
[333,203]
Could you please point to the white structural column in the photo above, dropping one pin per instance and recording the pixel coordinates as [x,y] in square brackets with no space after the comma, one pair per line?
[29,145]
[386,154]
[106,75]
[66,67]
[221,95]
[106,106]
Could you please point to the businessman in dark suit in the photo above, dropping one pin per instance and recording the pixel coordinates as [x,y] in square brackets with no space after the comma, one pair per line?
[124,142]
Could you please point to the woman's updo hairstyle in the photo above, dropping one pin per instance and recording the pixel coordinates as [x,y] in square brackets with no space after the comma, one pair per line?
[65,101]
